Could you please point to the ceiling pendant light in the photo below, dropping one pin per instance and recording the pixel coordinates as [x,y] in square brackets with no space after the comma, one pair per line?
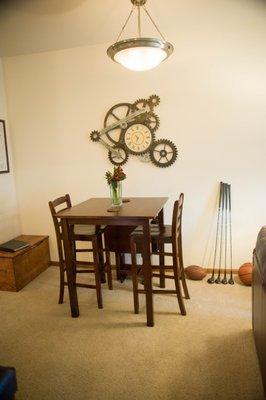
[140,53]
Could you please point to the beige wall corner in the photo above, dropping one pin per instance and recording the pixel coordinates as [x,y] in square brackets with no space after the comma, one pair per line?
[9,219]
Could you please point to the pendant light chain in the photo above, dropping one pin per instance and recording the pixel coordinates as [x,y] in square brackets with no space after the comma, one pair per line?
[154,23]
[139,22]
[123,28]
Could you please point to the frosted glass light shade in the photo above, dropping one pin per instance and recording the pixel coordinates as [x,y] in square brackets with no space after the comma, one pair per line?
[140,54]
[140,58]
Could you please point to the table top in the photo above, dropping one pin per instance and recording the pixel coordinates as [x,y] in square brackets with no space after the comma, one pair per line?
[137,207]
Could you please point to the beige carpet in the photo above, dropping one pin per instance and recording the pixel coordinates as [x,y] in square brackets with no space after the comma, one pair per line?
[111,354]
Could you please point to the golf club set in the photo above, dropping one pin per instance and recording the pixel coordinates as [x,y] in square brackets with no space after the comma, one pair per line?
[223,238]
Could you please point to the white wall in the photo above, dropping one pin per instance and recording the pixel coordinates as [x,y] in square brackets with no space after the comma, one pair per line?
[212,106]
[9,223]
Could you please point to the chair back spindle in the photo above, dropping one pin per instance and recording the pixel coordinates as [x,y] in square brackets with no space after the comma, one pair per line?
[64,201]
[177,227]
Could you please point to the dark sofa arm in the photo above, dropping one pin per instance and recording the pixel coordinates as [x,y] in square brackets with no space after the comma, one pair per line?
[8,383]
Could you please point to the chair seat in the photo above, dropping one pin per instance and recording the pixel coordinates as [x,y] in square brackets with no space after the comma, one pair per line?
[156,233]
[86,230]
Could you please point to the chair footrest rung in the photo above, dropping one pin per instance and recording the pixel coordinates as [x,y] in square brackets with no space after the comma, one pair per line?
[157,268]
[158,291]
[162,267]
[159,253]
[84,285]
[85,271]
[83,250]
[165,276]
[85,263]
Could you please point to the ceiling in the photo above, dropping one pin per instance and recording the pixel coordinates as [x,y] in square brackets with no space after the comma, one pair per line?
[29,26]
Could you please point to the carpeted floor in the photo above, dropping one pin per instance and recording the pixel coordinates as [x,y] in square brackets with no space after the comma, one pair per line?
[111,354]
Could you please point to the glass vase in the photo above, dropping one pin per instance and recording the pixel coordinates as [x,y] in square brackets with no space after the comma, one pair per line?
[116,193]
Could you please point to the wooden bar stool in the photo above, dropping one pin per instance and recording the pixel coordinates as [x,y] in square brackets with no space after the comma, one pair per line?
[81,233]
[170,234]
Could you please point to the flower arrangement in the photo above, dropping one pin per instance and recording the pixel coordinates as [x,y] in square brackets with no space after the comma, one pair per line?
[117,176]
[114,181]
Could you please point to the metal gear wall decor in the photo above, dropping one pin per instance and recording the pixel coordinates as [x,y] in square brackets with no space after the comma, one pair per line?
[129,128]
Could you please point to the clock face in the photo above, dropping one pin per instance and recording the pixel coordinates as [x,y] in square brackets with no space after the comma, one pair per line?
[138,138]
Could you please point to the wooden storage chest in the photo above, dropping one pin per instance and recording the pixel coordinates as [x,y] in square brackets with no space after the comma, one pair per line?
[19,268]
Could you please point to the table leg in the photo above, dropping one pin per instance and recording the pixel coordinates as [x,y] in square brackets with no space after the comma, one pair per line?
[72,289]
[147,270]
[101,258]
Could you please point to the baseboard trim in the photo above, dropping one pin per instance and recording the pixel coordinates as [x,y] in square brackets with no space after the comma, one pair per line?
[216,271]
[54,263]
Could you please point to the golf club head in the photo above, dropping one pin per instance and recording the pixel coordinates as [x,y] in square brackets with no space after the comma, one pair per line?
[218,280]
[224,281]
[211,279]
[231,281]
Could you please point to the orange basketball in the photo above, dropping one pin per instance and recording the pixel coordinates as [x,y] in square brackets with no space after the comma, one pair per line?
[245,273]
[195,272]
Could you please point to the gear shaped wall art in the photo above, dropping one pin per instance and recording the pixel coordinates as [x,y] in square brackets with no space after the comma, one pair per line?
[129,128]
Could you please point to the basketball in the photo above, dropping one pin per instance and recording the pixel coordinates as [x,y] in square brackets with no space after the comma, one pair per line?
[245,273]
[195,273]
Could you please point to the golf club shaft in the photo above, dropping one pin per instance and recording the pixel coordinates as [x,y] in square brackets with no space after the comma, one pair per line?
[218,279]
[217,230]
[224,281]
[230,234]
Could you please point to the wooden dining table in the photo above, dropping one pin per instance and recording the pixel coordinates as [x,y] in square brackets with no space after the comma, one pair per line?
[137,211]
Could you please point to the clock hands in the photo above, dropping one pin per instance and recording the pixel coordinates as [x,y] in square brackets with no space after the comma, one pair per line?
[137,138]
